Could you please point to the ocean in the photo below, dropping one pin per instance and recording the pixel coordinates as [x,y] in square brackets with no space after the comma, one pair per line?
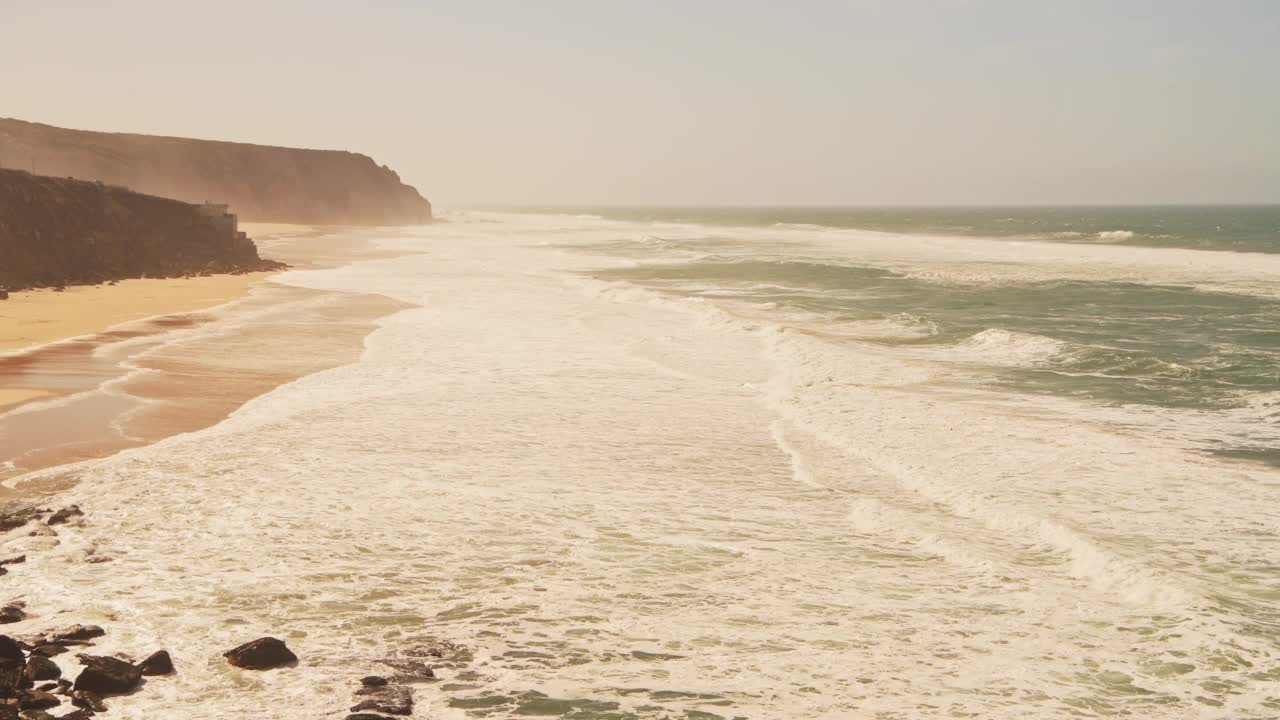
[736,463]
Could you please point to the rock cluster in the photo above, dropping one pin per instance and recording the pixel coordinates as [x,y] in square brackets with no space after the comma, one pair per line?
[31,683]
[15,515]
[381,698]
[64,515]
[377,697]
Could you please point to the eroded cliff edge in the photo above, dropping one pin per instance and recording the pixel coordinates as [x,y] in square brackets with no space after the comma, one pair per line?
[59,231]
[261,183]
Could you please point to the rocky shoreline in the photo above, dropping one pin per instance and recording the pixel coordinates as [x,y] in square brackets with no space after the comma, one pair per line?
[35,687]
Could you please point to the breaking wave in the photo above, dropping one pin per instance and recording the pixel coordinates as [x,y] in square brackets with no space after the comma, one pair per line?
[996,346]
[1115,235]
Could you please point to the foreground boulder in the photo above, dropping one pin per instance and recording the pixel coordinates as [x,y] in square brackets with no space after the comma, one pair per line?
[37,700]
[77,634]
[388,699]
[64,515]
[157,663]
[88,700]
[13,612]
[48,649]
[41,668]
[14,516]
[107,675]
[11,666]
[261,654]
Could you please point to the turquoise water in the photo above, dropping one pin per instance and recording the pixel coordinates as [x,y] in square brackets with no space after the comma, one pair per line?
[1013,317]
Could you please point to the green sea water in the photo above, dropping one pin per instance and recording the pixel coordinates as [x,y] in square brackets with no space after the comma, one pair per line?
[1237,228]
[1147,340]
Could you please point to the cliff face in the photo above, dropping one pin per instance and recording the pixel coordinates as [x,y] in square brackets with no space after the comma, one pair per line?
[261,183]
[57,231]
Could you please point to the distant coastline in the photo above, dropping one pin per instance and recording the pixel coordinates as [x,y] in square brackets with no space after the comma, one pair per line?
[261,183]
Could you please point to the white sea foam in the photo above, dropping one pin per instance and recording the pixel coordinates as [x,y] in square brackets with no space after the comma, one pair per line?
[531,461]
[1115,235]
[997,346]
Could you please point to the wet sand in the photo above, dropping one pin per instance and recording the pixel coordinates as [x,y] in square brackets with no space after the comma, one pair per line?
[17,396]
[125,377]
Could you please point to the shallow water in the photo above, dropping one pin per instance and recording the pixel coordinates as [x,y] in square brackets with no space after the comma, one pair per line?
[638,489]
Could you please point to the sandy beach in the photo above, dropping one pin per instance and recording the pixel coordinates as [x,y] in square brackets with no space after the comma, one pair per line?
[38,317]
[89,371]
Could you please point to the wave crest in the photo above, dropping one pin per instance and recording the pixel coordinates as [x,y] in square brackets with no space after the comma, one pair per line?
[1007,347]
[1115,235]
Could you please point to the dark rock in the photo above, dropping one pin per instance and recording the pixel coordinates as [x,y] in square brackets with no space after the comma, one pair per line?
[41,668]
[373,681]
[366,716]
[13,560]
[95,559]
[77,634]
[157,663]
[107,675]
[418,663]
[36,700]
[12,664]
[36,715]
[89,700]
[52,687]
[261,654]
[13,612]
[13,516]
[64,515]
[391,700]
[411,669]
[81,714]
[64,687]
[445,653]
[49,649]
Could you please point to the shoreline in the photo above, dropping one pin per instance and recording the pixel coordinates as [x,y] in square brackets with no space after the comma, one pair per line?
[31,319]
[91,371]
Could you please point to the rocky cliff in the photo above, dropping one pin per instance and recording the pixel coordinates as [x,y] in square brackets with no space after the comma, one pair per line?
[261,183]
[58,231]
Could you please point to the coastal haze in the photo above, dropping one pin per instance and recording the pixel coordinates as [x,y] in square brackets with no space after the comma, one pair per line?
[841,360]
[721,102]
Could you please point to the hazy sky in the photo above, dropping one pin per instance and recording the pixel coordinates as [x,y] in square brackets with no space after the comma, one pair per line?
[711,102]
